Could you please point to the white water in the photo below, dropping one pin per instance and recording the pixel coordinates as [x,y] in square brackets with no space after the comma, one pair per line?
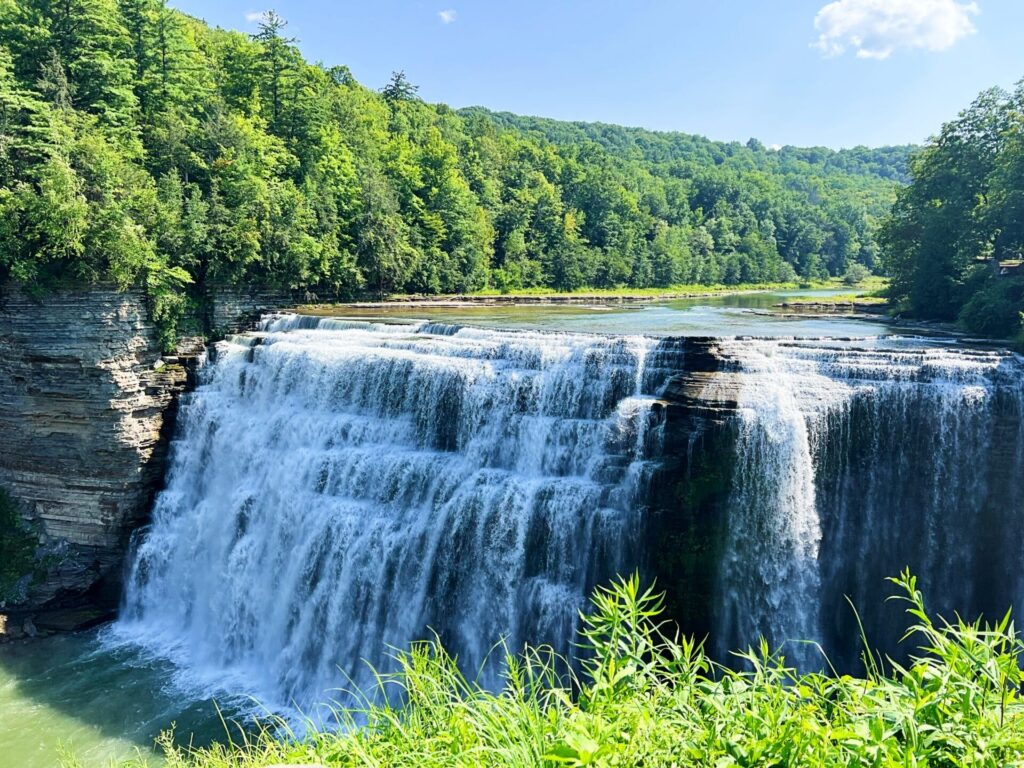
[338,489]
[853,463]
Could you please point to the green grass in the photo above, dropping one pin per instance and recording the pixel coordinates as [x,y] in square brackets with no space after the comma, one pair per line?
[843,298]
[648,698]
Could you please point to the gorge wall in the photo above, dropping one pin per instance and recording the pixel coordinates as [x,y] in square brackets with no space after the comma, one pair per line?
[84,400]
[87,404]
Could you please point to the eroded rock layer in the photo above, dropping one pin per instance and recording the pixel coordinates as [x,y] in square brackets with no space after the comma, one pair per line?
[85,398]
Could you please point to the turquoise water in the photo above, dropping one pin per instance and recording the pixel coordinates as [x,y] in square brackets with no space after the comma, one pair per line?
[72,695]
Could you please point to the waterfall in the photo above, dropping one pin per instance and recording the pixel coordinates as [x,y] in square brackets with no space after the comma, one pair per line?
[854,461]
[339,488]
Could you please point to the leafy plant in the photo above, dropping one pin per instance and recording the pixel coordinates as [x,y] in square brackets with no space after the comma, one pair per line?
[646,697]
[17,548]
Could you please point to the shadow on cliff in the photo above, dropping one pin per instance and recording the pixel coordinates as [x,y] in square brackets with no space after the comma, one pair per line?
[112,694]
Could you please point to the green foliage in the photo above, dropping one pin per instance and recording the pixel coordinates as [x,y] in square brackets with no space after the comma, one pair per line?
[856,274]
[141,147]
[17,548]
[994,309]
[647,697]
[960,217]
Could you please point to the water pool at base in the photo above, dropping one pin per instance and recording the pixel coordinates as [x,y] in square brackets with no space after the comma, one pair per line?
[73,695]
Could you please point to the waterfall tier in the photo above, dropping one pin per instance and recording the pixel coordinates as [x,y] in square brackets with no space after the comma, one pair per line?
[338,489]
[853,463]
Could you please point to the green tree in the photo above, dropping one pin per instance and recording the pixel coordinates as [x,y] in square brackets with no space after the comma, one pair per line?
[399,89]
[276,65]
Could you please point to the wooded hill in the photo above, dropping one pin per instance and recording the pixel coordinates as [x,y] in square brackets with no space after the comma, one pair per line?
[140,145]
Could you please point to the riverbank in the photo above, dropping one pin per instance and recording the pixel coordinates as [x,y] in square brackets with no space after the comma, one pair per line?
[605,295]
[844,302]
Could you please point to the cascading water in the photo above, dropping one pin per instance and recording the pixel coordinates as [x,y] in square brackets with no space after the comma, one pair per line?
[339,488]
[853,462]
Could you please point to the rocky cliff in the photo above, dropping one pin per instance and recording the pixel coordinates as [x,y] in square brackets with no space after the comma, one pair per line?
[690,491]
[85,397]
[87,404]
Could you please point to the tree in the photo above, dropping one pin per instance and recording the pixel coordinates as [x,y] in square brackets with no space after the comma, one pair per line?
[87,38]
[383,250]
[140,146]
[276,64]
[959,217]
[399,89]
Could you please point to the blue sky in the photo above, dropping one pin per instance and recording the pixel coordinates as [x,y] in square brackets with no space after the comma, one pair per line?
[802,72]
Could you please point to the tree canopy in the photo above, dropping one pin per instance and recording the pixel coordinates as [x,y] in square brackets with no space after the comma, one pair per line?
[955,237]
[140,146]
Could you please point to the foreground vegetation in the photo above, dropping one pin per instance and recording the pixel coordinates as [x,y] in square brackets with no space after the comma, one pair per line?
[647,698]
[140,146]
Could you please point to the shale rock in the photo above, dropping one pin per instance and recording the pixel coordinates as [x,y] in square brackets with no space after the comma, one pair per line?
[83,405]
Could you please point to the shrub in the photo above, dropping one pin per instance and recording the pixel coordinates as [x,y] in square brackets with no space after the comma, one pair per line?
[856,274]
[17,549]
[995,310]
[647,697]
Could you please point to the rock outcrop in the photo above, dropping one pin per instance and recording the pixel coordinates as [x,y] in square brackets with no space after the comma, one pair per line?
[231,309]
[85,401]
[690,491]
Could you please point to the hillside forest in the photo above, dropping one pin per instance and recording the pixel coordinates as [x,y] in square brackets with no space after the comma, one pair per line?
[140,146]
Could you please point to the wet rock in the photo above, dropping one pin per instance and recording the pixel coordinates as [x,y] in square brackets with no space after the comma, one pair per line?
[72,619]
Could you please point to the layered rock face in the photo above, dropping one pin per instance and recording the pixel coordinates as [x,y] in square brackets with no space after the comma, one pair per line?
[230,309]
[690,492]
[85,397]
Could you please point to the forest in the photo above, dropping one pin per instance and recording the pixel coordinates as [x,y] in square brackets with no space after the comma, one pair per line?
[954,239]
[140,146]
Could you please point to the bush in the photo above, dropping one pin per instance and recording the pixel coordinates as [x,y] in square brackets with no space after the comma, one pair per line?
[856,274]
[995,309]
[17,549]
[646,697]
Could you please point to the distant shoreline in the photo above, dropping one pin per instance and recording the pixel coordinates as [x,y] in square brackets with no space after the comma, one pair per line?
[597,296]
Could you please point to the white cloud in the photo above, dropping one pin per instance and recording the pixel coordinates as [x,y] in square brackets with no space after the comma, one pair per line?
[254,16]
[448,16]
[876,28]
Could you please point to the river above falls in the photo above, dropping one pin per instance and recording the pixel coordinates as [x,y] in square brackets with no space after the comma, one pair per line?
[103,700]
[755,313]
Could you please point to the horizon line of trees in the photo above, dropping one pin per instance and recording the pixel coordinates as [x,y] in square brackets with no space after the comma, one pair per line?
[139,145]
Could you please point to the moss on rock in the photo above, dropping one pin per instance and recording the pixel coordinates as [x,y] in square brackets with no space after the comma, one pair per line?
[18,563]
